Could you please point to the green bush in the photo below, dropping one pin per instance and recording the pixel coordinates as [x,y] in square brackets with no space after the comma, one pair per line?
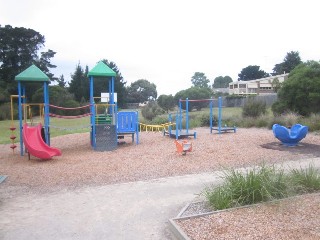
[5,111]
[254,108]
[151,110]
[278,108]
[204,120]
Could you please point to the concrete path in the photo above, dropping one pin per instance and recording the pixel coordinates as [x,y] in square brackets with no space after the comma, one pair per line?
[135,210]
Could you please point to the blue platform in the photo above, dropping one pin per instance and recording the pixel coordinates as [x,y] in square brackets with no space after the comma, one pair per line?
[290,137]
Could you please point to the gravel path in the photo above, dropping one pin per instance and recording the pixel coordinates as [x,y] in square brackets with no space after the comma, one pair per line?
[154,157]
[294,218]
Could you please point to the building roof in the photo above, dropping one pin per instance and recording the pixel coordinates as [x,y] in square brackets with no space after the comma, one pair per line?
[101,70]
[32,74]
[261,79]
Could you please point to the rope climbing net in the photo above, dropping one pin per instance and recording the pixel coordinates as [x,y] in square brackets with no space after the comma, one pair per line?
[77,112]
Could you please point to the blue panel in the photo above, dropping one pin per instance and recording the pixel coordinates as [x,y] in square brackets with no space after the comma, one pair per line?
[127,122]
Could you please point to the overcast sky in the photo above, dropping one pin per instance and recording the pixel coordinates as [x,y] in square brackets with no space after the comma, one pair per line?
[167,41]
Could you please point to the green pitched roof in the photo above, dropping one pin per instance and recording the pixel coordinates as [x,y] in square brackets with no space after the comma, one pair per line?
[101,70]
[32,74]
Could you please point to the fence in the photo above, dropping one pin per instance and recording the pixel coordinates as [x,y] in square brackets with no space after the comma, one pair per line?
[241,101]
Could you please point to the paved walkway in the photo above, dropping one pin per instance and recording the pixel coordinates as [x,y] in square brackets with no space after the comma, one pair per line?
[135,210]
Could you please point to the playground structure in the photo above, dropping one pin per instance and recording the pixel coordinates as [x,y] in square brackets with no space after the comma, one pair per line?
[105,129]
[290,137]
[184,133]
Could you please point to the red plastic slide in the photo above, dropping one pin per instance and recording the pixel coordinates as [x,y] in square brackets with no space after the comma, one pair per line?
[35,145]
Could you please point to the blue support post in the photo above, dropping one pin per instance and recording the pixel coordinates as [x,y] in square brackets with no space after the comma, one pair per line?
[219,114]
[137,130]
[24,100]
[211,114]
[92,118]
[110,97]
[46,112]
[48,116]
[180,116]
[187,115]
[177,132]
[20,118]
[170,127]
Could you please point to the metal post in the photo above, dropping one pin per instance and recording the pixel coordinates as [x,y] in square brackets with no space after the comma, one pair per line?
[48,117]
[20,118]
[92,118]
[187,115]
[46,111]
[180,116]
[137,128]
[211,114]
[170,126]
[219,114]
[176,127]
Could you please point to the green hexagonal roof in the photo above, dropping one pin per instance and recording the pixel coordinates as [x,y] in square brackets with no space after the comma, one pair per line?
[32,74]
[101,70]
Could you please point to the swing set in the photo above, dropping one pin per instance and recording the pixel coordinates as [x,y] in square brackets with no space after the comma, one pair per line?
[184,133]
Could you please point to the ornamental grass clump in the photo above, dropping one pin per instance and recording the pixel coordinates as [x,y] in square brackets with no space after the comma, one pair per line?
[305,180]
[256,185]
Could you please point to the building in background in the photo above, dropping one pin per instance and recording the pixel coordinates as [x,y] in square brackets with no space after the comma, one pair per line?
[262,86]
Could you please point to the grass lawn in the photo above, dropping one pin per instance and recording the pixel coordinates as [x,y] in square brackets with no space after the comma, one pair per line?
[64,126]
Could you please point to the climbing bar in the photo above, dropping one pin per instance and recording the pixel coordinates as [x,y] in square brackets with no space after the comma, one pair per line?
[196,100]
[65,108]
[153,128]
[69,117]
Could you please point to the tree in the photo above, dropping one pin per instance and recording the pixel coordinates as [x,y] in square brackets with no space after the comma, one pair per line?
[79,84]
[251,73]
[221,82]
[291,60]
[61,82]
[199,79]
[194,93]
[18,50]
[166,102]
[141,91]
[119,83]
[301,91]
[151,110]
[58,96]
[276,84]
[44,63]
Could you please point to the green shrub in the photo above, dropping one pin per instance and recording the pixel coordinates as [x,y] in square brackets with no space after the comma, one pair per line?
[5,111]
[254,108]
[279,108]
[204,120]
[151,110]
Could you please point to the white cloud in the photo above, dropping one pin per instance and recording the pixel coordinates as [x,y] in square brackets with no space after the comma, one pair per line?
[166,41]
